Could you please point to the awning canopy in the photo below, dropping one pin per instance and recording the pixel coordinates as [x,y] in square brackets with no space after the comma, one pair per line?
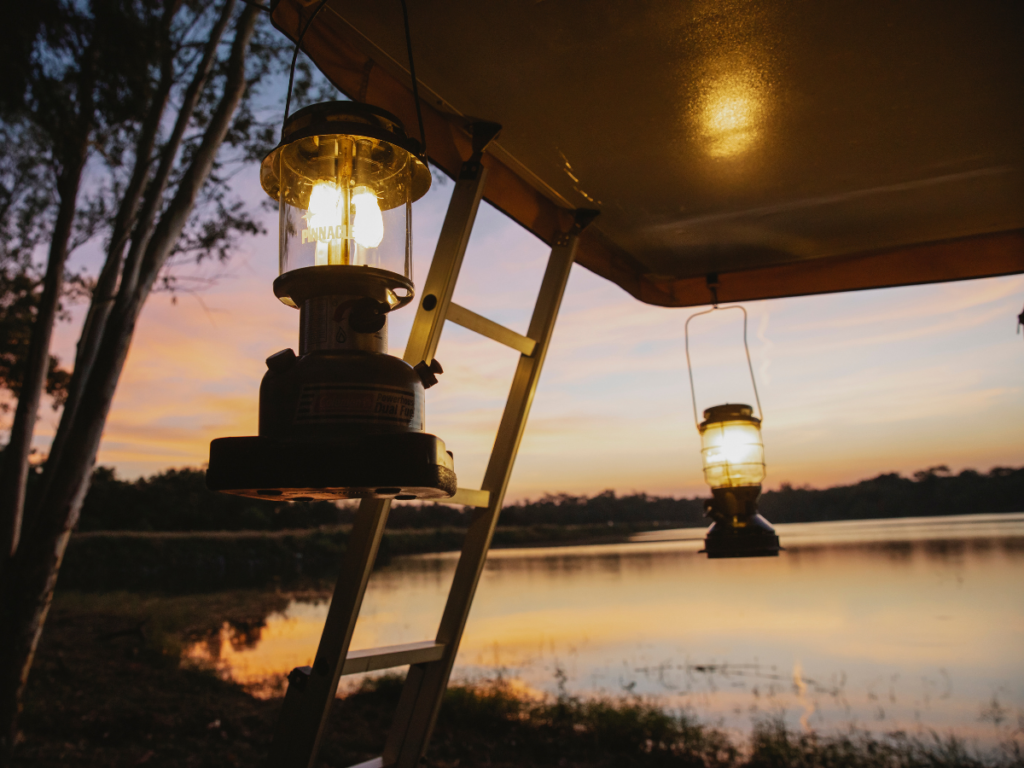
[788,147]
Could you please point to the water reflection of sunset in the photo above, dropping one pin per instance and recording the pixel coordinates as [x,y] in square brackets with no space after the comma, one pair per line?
[912,635]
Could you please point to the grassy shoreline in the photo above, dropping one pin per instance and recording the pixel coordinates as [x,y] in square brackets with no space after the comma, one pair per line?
[108,689]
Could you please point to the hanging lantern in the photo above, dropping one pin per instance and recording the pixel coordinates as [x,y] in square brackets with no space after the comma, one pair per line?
[733,457]
[342,419]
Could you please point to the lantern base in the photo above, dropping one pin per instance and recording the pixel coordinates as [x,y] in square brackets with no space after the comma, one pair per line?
[411,465]
[738,530]
[756,538]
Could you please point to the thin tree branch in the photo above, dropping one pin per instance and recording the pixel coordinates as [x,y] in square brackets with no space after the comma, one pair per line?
[14,465]
[169,153]
[105,291]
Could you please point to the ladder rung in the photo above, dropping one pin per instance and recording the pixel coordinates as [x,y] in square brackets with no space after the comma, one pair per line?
[377,762]
[470,497]
[474,322]
[372,659]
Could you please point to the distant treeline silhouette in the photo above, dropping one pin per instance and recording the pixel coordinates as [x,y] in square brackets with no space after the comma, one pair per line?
[177,500]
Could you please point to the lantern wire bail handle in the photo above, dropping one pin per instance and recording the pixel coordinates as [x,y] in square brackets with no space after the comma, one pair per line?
[412,71]
[295,56]
[746,348]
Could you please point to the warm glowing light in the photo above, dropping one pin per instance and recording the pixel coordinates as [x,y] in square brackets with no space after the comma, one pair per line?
[732,450]
[326,219]
[731,114]
[326,210]
[367,221]
[328,224]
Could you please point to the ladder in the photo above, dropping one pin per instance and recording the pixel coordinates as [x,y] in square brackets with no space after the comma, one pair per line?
[311,690]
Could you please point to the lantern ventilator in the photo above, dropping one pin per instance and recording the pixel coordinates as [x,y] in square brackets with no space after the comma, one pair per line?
[732,454]
[342,419]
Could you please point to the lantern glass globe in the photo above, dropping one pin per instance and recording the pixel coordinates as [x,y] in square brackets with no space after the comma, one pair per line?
[731,447]
[345,177]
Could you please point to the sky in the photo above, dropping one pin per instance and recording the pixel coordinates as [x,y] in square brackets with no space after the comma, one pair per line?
[852,385]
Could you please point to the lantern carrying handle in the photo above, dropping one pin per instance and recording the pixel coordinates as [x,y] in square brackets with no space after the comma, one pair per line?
[746,348]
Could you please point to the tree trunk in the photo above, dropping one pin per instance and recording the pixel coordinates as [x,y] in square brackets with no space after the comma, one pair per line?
[26,594]
[72,156]
[14,465]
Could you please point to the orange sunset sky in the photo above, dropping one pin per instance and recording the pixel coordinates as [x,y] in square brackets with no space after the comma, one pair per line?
[852,385]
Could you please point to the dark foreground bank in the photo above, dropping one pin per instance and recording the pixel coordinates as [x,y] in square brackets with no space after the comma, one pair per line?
[178,500]
[108,690]
[218,560]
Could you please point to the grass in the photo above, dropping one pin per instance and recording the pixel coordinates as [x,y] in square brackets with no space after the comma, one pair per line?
[108,690]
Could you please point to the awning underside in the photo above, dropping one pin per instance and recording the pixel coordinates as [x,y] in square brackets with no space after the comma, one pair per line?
[788,147]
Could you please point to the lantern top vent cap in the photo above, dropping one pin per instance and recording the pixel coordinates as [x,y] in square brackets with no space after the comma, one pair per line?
[349,118]
[729,412]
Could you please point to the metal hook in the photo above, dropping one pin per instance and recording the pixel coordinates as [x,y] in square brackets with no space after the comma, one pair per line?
[746,348]
[712,280]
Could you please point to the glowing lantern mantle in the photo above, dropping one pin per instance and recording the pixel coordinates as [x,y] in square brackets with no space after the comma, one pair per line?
[731,447]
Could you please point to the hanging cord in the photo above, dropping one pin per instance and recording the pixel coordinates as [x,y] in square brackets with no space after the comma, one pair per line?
[412,74]
[746,347]
[254,4]
[295,56]
[412,70]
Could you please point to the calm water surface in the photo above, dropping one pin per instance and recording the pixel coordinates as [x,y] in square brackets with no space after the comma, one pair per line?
[899,624]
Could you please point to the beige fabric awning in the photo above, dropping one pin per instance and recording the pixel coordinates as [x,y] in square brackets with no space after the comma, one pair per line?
[791,148]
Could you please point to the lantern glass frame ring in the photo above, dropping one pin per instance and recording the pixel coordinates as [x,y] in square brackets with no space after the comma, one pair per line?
[345,176]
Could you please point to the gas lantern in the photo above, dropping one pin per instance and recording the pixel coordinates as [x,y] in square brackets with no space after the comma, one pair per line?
[342,418]
[732,454]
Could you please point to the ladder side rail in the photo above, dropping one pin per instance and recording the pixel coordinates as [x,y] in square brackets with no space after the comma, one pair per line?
[311,692]
[426,683]
[432,308]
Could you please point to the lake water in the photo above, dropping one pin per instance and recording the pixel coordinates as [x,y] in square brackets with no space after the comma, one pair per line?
[914,624]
